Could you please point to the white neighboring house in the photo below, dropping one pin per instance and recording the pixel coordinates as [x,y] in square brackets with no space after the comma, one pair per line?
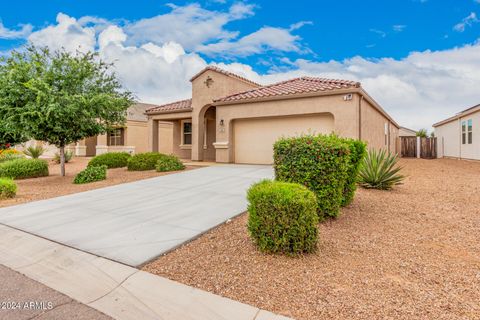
[406,132]
[459,136]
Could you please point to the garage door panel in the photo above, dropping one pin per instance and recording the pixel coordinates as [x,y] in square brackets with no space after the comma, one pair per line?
[254,138]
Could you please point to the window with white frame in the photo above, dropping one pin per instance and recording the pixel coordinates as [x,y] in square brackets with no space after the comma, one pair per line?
[186,132]
[467,131]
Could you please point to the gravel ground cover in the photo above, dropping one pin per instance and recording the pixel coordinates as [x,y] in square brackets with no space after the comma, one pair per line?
[56,185]
[411,253]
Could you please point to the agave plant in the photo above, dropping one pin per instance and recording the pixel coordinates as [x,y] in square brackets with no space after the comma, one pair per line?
[34,151]
[68,156]
[379,170]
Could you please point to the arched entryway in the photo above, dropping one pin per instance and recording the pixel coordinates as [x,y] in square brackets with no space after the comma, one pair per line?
[209,134]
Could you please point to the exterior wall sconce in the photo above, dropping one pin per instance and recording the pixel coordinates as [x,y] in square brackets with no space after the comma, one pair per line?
[222,125]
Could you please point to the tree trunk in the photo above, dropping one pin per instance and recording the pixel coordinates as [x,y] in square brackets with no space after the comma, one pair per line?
[62,161]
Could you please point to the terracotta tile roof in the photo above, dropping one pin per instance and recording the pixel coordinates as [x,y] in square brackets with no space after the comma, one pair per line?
[225,72]
[177,106]
[290,87]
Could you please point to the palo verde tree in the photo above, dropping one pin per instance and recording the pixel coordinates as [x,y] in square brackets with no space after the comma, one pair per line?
[61,97]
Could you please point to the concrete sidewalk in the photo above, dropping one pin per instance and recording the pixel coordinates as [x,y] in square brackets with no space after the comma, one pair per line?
[117,290]
[25,299]
[135,222]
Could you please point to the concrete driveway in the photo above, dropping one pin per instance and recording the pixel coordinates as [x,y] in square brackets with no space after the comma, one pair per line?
[135,222]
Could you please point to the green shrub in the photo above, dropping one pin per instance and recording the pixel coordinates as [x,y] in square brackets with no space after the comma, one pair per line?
[111,160]
[68,156]
[318,162]
[379,170]
[91,174]
[169,163]
[144,161]
[34,151]
[357,153]
[282,217]
[8,188]
[24,168]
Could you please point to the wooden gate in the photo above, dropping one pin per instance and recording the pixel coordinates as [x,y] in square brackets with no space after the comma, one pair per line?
[411,146]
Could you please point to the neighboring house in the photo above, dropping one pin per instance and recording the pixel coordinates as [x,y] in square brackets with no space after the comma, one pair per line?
[458,136]
[405,132]
[132,137]
[232,119]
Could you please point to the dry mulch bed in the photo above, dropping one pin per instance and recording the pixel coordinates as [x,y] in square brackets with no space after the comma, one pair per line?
[411,253]
[55,185]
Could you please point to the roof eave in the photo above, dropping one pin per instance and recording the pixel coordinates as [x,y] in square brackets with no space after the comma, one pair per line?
[167,112]
[462,114]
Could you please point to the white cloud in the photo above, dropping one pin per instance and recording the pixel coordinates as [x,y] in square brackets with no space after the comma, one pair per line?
[68,33]
[261,41]
[398,27]
[468,21]
[23,32]
[190,25]
[381,33]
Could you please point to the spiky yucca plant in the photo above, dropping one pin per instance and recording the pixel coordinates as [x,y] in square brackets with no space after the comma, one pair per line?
[34,151]
[379,170]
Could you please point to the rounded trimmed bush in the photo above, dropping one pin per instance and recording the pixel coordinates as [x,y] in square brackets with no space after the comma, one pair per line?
[24,168]
[282,217]
[111,160]
[169,163]
[144,161]
[8,188]
[318,162]
[91,174]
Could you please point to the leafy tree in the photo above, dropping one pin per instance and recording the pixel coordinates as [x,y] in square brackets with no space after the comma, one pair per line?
[10,136]
[61,97]
[422,133]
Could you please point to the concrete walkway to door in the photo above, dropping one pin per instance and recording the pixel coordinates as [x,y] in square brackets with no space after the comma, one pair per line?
[135,222]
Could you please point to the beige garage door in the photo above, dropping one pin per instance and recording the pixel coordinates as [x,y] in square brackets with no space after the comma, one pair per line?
[254,138]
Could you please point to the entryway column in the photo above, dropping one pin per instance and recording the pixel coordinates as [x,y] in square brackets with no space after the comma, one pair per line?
[197,137]
[152,128]
[80,149]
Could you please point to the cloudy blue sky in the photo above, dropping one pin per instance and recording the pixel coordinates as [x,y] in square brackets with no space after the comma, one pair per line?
[419,58]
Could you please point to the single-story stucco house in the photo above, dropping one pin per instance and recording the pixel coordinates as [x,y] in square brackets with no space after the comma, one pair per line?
[406,132]
[131,137]
[232,119]
[458,136]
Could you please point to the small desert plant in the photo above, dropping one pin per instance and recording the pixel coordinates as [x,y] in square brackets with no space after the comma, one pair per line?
[68,156]
[379,170]
[282,217]
[8,188]
[144,161]
[111,160]
[34,151]
[91,174]
[24,168]
[169,163]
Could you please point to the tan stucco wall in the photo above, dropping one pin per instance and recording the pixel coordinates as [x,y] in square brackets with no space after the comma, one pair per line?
[136,135]
[165,137]
[404,132]
[449,139]
[373,129]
